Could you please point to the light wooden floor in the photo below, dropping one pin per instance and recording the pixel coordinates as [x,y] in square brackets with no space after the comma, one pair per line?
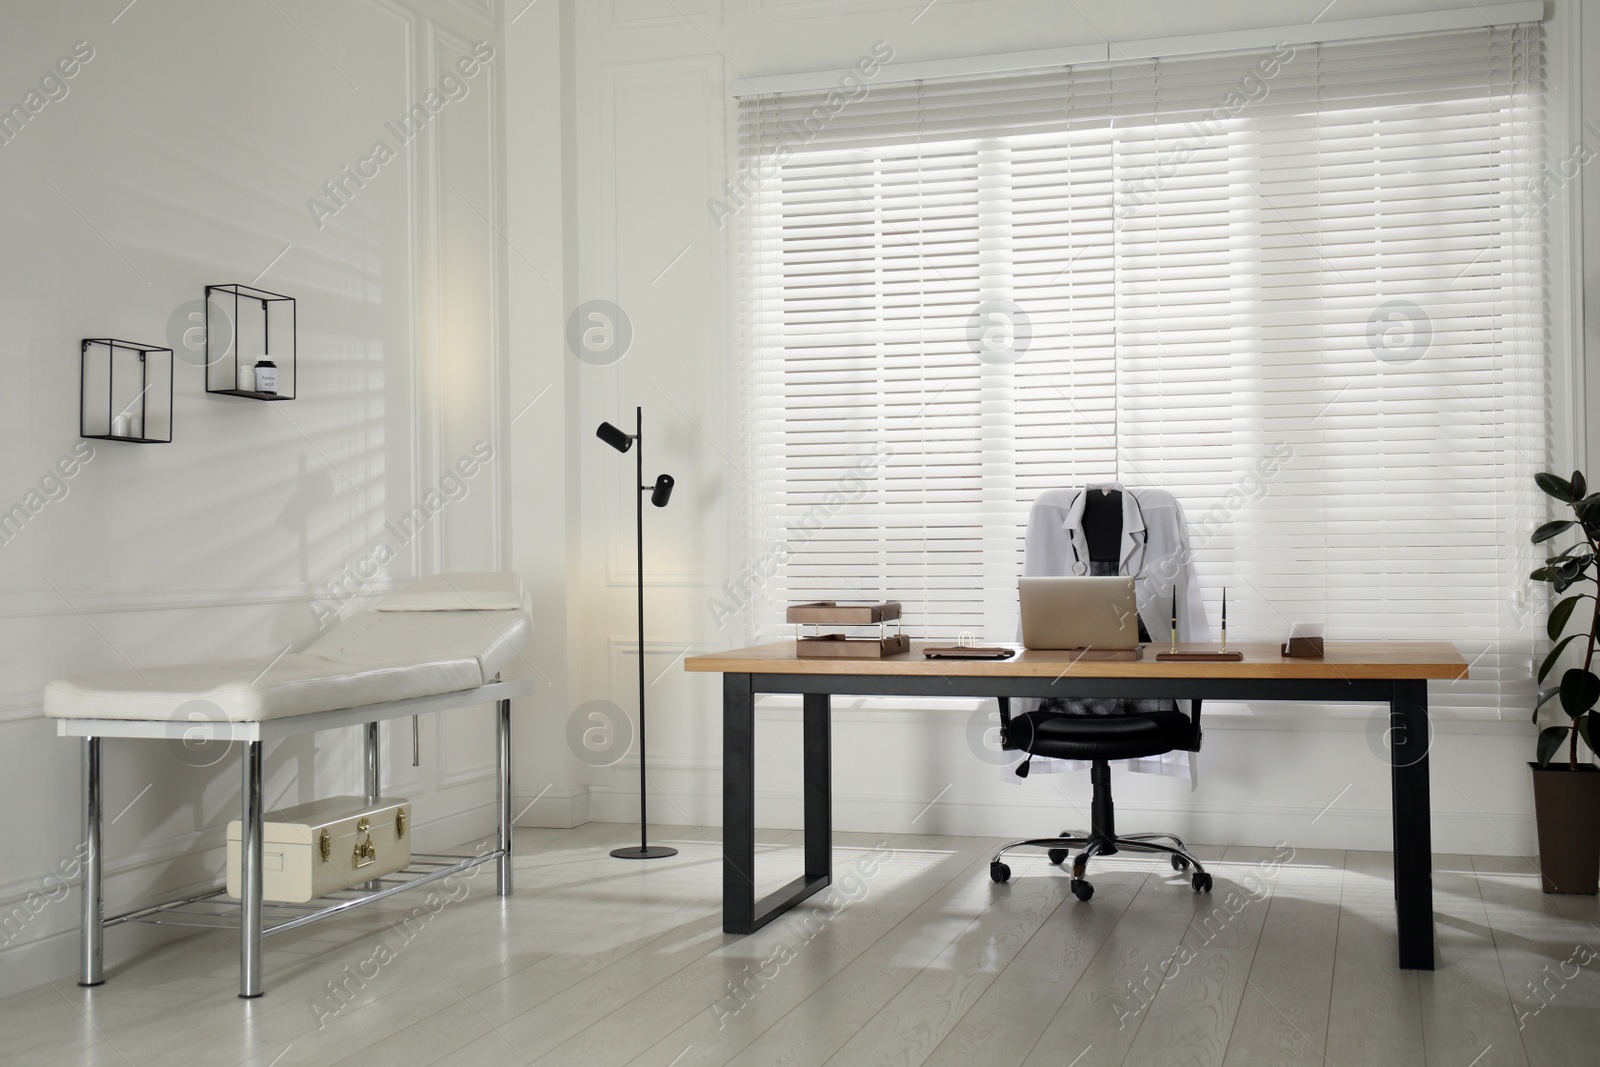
[914,957]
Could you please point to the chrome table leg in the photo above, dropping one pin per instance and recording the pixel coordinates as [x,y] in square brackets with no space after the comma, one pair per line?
[92,966]
[250,872]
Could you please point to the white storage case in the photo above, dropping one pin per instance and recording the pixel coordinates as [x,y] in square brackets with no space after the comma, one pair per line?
[334,843]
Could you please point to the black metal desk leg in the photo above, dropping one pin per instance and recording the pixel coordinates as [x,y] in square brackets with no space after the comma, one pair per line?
[738,804]
[819,785]
[1413,837]
[742,913]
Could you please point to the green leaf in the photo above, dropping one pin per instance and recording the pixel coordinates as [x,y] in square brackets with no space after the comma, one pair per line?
[1545,696]
[1544,574]
[1560,614]
[1588,509]
[1579,489]
[1583,559]
[1579,691]
[1559,488]
[1569,573]
[1555,654]
[1551,738]
[1586,728]
[1550,529]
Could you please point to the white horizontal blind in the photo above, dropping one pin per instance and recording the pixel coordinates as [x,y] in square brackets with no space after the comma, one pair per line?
[1301,288]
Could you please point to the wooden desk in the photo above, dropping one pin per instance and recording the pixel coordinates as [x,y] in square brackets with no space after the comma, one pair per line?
[1393,673]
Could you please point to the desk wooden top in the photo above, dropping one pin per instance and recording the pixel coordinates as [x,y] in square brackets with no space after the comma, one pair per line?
[1376,660]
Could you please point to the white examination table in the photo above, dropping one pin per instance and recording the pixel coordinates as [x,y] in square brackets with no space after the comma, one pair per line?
[439,644]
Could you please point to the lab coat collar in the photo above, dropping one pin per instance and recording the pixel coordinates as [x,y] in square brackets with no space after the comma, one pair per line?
[1134,534]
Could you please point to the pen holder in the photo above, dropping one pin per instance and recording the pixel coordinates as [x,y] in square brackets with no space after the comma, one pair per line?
[1303,648]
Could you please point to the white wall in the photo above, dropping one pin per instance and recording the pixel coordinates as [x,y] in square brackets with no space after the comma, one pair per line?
[652,116]
[184,153]
[545,437]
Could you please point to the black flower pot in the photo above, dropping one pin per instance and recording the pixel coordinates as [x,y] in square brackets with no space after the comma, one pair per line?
[1566,807]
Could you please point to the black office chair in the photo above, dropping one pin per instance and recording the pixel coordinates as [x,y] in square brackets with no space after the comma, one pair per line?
[1114,729]
[1101,730]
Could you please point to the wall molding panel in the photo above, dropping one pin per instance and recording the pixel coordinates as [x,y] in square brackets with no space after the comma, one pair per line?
[635,14]
[785,10]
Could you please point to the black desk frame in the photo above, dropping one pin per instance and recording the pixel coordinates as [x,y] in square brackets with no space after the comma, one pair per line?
[742,913]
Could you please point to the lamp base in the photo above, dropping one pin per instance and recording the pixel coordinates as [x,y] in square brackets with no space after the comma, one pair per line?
[651,852]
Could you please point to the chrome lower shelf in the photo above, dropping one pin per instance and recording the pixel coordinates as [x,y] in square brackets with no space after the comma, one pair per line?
[216,910]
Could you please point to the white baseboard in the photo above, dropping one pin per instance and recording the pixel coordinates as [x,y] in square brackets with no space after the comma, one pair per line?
[554,810]
[1366,829]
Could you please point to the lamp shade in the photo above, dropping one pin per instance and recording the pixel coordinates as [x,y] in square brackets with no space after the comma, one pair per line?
[614,437]
[662,492]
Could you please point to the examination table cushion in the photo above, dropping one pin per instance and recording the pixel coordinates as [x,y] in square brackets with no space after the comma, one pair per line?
[374,638]
[252,690]
[460,591]
[371,658]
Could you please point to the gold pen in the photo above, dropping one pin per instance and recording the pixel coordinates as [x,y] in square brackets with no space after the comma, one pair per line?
[1224,618]
[1174,618]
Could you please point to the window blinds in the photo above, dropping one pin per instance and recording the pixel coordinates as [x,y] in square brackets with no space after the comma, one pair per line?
[1303,288]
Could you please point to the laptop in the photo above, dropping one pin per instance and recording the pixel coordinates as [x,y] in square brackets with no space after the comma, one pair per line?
[1077,613]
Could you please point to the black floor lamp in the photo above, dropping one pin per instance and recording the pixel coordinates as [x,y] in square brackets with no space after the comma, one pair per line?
[660,493]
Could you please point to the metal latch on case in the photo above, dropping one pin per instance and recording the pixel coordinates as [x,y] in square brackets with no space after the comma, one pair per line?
[365,851]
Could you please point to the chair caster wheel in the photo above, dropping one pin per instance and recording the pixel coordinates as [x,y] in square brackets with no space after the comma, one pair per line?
[1179,863]
[999,872]
[1058,856]
[1201,882]
[1081,889]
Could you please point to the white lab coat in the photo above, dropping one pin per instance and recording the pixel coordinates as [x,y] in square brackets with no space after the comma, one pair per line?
[1155,553]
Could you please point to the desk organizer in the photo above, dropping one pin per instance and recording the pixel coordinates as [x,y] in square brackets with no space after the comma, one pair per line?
[1193,656]
[842,646]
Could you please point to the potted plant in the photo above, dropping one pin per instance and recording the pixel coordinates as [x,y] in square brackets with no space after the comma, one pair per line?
[1566,795]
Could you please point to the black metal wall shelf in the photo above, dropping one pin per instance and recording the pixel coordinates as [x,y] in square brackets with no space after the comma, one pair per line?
[223,368]
[134,410]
